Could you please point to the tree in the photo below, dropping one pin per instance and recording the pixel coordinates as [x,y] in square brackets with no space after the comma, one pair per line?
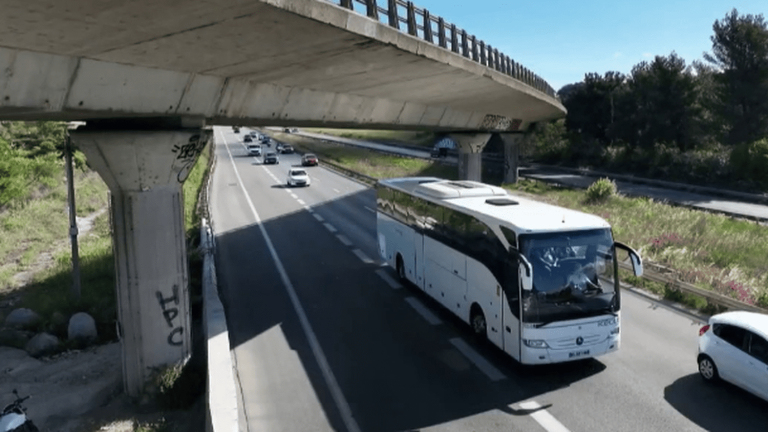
[591,105]
[740,56]
[665,96]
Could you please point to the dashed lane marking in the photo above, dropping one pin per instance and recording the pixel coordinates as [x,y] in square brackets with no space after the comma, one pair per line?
[370,209]
[422,310]
[300,202]
[363,257]
[388,279]
[330,227]
[318,217]
[544,418]
[484,365]
[342,238]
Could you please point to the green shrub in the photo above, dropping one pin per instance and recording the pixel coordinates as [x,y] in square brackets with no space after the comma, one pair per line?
[601,190]
[750,162]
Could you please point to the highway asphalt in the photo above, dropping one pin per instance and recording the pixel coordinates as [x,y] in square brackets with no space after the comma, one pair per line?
[324,339]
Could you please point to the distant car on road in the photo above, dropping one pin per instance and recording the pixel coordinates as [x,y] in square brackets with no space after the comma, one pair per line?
[271,158]
[438,152]
[279,147]
[264,139]
[236,129]
[287,149]
[254,134]
[247,139]
[733,346]
[298,177]
[309,159]
[254,149]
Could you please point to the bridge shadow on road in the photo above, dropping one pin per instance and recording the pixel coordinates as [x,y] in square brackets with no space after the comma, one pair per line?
[397,372]
[717,407]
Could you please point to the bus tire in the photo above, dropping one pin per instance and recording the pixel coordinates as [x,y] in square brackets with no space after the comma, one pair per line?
[478,323]
[400,268]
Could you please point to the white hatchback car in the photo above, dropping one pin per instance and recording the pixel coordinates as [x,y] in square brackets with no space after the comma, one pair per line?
[298,177]
[733,346]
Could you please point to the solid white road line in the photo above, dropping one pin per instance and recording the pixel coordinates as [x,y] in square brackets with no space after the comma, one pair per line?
[388,279]
[342,238]
[544,418]
[363,257]
[484,365]
[318,217]
[422,310]
[330,227]
[322,362]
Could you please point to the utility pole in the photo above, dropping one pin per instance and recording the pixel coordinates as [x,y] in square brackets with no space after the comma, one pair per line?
[72,219]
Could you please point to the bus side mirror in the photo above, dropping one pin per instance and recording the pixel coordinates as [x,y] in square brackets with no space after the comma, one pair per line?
[526,274]
[634,258]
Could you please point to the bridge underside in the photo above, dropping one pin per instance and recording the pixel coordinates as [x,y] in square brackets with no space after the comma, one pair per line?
[269,62]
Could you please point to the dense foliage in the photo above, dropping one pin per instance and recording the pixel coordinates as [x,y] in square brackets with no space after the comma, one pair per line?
[669,118]
[31,159]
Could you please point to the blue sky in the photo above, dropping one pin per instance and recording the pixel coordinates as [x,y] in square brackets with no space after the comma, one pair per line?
[561,40]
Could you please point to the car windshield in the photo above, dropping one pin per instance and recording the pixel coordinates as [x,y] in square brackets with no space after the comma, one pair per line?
[570,272]
[298,173]
[310,156]
[271,154]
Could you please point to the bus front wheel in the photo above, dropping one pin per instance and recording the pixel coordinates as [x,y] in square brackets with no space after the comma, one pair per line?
[477,321]
[400,268]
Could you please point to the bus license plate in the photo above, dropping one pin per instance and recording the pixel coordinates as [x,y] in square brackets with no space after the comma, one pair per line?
[578,354]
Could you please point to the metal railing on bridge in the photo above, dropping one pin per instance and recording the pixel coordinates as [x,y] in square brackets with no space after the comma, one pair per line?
[404,15]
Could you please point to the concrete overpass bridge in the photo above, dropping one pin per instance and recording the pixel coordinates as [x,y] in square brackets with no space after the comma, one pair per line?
[150,76]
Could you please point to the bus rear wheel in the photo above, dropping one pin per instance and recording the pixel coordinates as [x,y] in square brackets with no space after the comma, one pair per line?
[478,323]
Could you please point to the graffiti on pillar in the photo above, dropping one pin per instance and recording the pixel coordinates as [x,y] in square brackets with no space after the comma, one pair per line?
[186,154]
[170,313]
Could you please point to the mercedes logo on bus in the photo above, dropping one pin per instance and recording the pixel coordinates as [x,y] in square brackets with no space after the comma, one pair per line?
[579,340]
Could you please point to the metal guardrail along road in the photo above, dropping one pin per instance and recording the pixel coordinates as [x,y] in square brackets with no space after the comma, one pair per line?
[433,29]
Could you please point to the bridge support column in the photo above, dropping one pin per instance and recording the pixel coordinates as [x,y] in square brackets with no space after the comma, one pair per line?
[471,154]
[145,170]
[512,144]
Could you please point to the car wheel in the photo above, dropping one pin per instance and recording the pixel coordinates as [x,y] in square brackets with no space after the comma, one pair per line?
[707,369]
[478,323]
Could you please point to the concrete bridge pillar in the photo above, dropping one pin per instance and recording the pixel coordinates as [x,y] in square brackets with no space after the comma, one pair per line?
[512,144]
[145,170]
[471,154]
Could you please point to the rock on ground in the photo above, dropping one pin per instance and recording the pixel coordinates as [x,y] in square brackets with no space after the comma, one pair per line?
[22,318]
[82,327]
[42,344]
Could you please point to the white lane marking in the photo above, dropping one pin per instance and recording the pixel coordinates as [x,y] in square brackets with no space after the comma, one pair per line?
[422,310]
[288,191]
[336,190]
[330,227]
[318,217]
[342,238]
[384,264]
[484,365]
[388,279]
[322,362]
[309,209]
[370,209]
[544,418]
[293,195]
[363,257]
[300,201]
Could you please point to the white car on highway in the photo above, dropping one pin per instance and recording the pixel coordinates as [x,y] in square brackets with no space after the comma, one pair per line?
[733,347]
[298,177]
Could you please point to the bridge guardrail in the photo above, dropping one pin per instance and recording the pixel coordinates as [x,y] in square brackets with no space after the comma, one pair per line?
[420,23]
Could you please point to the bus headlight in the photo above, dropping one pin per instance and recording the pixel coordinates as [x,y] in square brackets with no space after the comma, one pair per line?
[535,343]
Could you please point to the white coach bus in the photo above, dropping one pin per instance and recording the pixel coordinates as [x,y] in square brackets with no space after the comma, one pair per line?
[537,280]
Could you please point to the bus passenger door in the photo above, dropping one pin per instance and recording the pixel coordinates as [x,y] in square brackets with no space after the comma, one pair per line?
[418,260]
[511,310]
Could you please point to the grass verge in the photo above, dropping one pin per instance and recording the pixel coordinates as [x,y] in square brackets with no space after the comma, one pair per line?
[422,138]
[373,164]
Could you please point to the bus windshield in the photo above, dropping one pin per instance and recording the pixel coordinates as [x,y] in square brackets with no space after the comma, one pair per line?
[570,270]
